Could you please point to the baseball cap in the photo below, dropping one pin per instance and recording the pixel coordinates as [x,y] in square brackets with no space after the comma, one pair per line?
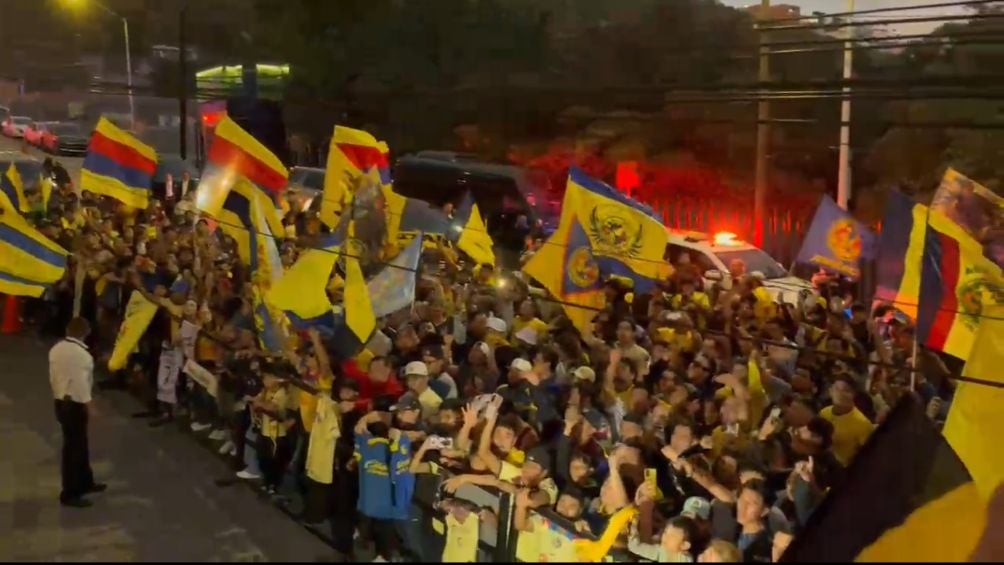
[527,335]
[497,324]
[697,508]
[416,368]
[584,374]
[406,402]
[540,456]
[521,365]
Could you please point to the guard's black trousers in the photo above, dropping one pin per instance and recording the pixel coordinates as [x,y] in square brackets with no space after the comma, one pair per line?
[76,463]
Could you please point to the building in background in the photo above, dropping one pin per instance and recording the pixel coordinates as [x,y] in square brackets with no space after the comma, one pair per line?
[775,12]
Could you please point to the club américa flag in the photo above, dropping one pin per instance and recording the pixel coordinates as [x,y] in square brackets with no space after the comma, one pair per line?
[12,190]
[566,267]
[235,154]
[301,292]
[29,261]
[243,217]
[352,154]
[958,283]
[900,251]
[118,165]
[906,497]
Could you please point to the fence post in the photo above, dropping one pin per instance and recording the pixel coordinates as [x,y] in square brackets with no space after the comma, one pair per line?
[503,552]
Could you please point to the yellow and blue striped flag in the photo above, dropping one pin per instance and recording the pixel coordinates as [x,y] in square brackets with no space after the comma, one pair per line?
[301,292]
[29,261]
[12,191]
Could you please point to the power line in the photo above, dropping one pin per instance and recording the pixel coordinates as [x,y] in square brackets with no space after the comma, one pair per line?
[899,37]
[999,41]
[892,21]
[893,9]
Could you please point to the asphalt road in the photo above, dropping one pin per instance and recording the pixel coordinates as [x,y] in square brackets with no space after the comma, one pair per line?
[162,503]
[72,164]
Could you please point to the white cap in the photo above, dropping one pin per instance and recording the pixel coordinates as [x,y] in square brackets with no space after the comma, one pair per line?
[497,324]
[527,335]
[521,365]
[416,368]
[584,374]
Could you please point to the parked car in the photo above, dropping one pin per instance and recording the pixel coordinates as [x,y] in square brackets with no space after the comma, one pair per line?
[64,139]
[33,133]
[14,126]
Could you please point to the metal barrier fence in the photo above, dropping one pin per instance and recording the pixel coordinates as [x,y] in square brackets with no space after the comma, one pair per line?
[497,542]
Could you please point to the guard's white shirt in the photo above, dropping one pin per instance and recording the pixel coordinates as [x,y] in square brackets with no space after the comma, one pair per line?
[71,370]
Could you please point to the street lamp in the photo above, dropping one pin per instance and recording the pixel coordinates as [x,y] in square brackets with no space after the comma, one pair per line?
[128,58]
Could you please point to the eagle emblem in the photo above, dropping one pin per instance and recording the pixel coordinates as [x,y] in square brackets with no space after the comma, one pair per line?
[844,240]
[976,290]
[614,233]
[582,268]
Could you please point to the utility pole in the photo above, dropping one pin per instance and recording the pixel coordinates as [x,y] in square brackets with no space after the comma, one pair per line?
[132,104]
[762,136]
[844,171]
[182,86]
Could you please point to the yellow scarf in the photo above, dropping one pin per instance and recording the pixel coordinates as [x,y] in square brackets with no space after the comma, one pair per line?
[594,551]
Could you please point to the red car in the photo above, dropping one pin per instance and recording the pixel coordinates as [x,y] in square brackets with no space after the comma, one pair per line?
[64,139]
[33,133]
[14,126]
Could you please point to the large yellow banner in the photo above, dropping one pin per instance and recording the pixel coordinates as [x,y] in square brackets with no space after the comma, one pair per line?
[139,313]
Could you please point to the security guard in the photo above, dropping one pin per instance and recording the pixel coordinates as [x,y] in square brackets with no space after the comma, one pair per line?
[71,374]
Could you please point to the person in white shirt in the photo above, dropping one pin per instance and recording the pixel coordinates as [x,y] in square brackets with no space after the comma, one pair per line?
[71,374]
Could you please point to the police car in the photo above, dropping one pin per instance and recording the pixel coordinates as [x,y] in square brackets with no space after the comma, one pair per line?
[713,253]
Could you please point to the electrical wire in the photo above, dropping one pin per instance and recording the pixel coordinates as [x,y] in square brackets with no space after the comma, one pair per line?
[892,21]
[898,37]
[952,43]
[893,9]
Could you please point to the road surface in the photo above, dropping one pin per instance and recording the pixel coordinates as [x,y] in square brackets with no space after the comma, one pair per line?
[162,503]
[72,164]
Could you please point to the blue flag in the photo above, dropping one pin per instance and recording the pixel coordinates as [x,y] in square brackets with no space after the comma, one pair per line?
[836,241]
[393,288]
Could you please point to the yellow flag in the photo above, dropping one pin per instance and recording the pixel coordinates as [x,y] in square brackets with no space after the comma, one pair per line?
[978,410]
[139,313]
[359,315]
[594,551]
[300,293]
[45,185]
[12,190]
[475,241]
[351,154]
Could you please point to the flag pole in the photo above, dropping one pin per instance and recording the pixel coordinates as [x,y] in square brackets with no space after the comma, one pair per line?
[913,364]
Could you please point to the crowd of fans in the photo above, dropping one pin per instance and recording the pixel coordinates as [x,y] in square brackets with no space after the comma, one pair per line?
[718,417]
